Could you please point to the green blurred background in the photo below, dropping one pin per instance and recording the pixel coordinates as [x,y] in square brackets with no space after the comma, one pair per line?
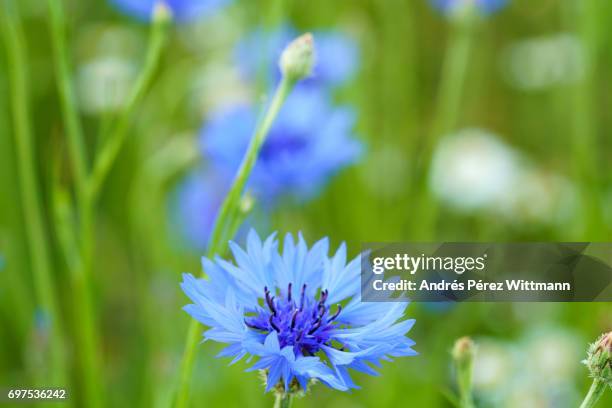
[537,83]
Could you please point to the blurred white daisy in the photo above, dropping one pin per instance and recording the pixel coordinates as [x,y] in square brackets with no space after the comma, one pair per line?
[474,170]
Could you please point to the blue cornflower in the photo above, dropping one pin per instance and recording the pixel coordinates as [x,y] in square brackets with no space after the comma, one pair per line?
[483,6]
[298,310]
[309,141]
[337,55]
[182,10]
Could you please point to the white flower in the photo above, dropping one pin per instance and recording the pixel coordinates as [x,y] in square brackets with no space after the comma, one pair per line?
[473,169]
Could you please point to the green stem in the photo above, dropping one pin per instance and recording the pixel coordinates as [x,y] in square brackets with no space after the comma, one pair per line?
[224,222]
[464,380]
[597,389]
[463,355]
[87,335]
[454,73]
[232,200]
[81,288]
[112,146]
[283,400]
[452,83]
[584,121]
[87,340]
[30,195]
[67,95]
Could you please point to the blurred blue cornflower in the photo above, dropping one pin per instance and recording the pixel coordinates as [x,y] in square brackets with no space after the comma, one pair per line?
[182,10]
[309,141]
[337,56]
[299,311]
[484,6]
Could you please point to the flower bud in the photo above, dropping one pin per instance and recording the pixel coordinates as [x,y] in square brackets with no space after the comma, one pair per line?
[463,350]
[162,12]
[297,60]
[599,359]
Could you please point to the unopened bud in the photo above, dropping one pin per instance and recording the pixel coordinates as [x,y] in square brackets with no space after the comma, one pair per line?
[298,58]
[162,12]
[463,350]
[599,359]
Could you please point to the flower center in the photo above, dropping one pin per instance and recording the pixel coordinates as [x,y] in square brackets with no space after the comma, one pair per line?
[280,145]
[303,323]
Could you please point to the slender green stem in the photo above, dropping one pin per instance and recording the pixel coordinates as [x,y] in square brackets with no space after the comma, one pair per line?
[112,146]
[463,356]
[81,288]
[67,95]
[275,12]
[598,387]
[464,380]
[584,123]
[283,400]
[63,219]
[232,200]
[224,223]
[452,83]
[30,194]
[87,341]
[454,72]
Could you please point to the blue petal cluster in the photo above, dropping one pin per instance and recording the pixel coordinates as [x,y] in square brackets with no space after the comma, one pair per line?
[309,142]
[484,6]
[182,10]
[298,311]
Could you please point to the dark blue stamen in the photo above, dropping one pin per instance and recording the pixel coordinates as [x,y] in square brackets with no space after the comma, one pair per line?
[315,327]
[322,309]
[302,297]
[323,296]
[270,301]
[333,317]
[305,326]
[274,326]
[293,319]
[254,325]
